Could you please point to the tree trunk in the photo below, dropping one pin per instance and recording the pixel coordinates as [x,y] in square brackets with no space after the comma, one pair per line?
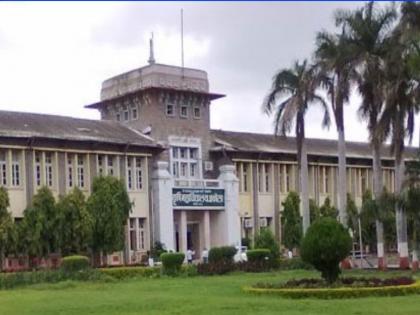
[401,217]
[415,262]
[342,178]
[377,190]
[304,179]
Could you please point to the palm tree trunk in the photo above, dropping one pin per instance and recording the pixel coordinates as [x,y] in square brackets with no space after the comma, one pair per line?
[401,217]
[342,184]
[304,179]
[377,190]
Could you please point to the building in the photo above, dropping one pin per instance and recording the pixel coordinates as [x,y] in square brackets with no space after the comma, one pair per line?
[192,187]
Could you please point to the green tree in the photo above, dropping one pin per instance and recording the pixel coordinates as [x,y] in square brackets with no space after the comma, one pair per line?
[7,228]
[292,223]
[314,210]
[325,245]
[294,90]
[75,223]
[352,214]
[328,210]
[265,239]
[368,35]
[109,206]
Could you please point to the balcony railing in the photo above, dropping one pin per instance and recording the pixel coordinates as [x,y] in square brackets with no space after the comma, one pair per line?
[197,183]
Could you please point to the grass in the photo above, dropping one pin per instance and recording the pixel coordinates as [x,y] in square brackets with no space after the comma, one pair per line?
[196,295]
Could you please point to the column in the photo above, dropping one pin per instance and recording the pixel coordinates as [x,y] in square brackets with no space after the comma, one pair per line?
[230,217]
[162,205]
[182,232]
[207,235]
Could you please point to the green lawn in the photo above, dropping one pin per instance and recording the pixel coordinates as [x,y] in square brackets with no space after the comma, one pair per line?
[197,295]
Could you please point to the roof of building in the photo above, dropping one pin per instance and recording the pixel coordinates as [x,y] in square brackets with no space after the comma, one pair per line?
[265,143]
[29,125]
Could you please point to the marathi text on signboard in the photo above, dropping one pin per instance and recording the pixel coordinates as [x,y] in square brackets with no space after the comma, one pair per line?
[198,197]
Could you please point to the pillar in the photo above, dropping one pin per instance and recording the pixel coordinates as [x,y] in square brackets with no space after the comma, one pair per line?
[207,236]
[162,205]
[182,232]
[230,216]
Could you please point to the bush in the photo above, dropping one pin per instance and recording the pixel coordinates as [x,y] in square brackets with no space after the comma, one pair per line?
[157,250]
[339,293]
[74,263]
[246,242]
[131,272]
[258,255]
[325,244]
[294,264]
[265,239]
[216,268]
[222,254]
[172,262]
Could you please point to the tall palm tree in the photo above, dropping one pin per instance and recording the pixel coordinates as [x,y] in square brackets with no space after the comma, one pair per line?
[368,34]
[292,92]
[397,119]
[333,55]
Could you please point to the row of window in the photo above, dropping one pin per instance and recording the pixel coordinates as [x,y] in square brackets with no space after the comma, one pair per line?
[184,111]
[358,179]
[76,172]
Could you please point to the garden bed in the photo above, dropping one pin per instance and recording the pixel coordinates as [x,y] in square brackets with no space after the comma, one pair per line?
[351,287]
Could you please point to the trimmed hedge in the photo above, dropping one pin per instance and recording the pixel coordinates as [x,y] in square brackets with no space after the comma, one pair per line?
[131,272]
[258,255]
[294,263]
[222,254]
[339,293]
[172,262]
[74,263]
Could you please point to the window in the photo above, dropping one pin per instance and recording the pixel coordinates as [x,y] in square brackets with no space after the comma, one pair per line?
[134,113]
[15,168]
[137,230]
[242,174]
[126,115]
[170,109]
[70,160]
[197,113]
[110,167]
[134,173]
[101,170]
[80,171]
[288,178]
[38,159]
[48,169]
[185,162]
[184,111]
[118,117]
[264,177]
[3,168]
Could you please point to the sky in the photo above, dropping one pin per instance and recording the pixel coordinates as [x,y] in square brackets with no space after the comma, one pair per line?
[54,56]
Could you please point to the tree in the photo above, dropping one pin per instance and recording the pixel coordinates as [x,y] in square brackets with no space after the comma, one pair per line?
[315,213]
[327,210]
[367,30]
[109,206]
[298,85]
[352,214]
[75,223]
[325,245]
[334,57]
[265,239]
[7,228]
[292,223]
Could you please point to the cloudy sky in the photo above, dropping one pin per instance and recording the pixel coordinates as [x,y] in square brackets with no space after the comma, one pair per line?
[54,56]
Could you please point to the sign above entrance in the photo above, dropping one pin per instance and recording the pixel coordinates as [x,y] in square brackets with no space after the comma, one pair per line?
[184,198]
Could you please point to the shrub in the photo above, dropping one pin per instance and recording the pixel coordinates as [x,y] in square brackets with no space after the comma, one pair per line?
[74,263]
[291,220]
[246,242]
[266,239]
[294,264]
[339,293]
[258,255]
[157,250]
[172,262]
[325,244]
[216,268]
[222,254]
[131,272]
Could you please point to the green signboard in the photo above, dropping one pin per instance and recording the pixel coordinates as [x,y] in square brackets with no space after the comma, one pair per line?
[198,197]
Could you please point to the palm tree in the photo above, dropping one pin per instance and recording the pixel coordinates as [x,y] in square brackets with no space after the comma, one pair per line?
[292,92]
[368,34]
[333,55]
[397,119]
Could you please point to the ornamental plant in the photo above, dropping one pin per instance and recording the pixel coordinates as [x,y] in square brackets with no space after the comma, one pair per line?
[172,262]
[325,244]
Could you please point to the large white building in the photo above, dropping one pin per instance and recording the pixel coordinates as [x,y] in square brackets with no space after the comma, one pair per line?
[192,187]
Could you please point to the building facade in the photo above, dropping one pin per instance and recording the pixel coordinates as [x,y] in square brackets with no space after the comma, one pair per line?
[191,186]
